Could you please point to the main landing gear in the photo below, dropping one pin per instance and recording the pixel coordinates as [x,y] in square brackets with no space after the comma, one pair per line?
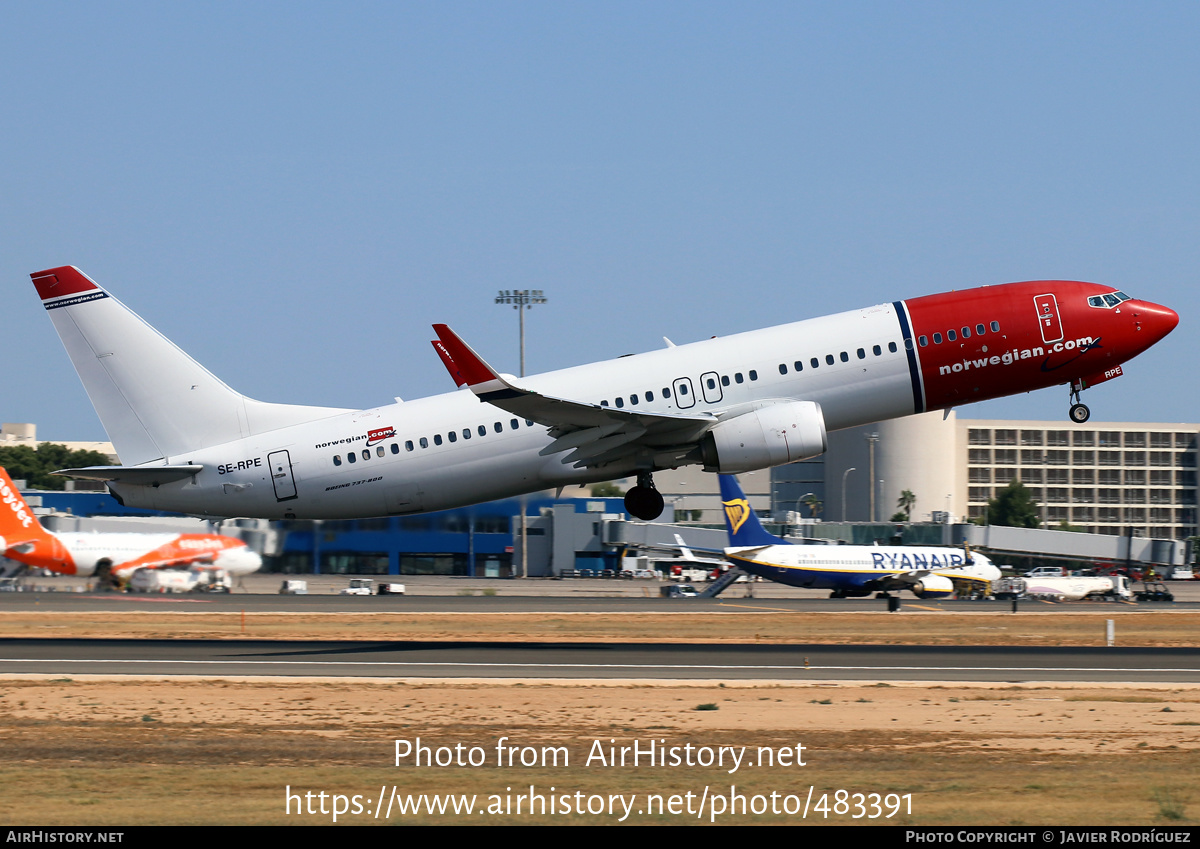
[1079,412]
[644,501]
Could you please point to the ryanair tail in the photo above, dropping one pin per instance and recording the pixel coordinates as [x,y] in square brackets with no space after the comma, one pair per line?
[154,400]
[740,518]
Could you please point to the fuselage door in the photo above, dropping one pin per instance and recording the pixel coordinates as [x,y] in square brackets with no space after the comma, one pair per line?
[684,396]
[280,464]
[1048,319]
[710,385]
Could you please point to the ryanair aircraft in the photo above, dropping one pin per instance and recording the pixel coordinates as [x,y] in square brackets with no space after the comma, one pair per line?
[846,570]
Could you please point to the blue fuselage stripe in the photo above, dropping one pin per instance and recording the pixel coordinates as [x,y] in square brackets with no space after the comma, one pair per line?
[910,347]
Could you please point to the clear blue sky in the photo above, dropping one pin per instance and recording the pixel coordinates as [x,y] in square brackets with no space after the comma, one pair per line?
[293,192]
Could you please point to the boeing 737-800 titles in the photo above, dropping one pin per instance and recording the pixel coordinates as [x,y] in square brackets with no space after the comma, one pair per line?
[732,404]
[111,555]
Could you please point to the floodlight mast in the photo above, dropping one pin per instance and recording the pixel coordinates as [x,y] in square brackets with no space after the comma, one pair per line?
[521,300]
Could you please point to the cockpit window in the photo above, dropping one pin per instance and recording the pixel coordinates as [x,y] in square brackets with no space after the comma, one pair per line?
[1107,301]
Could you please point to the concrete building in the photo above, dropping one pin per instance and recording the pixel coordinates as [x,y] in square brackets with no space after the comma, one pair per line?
[1103,477]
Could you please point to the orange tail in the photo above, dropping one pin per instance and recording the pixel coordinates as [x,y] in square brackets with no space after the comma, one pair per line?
[18,525]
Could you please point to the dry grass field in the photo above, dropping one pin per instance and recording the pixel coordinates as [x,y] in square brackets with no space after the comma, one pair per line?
[104,752]
[96,751]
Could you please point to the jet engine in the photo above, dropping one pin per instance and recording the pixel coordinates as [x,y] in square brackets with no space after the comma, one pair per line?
[933,586]
[769,436]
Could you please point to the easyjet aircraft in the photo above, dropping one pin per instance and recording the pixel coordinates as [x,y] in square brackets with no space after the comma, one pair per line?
[732,404]
[107,555]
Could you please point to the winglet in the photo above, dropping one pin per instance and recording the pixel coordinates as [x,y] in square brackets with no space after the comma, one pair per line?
[484,380]
[448,362]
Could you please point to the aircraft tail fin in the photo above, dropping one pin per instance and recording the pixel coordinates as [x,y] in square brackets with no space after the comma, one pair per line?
[740,518]
[18,525]
[154,400]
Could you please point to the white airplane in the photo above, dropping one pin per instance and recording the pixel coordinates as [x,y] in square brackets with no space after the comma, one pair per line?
[846,570]
[112,557]
[190,443]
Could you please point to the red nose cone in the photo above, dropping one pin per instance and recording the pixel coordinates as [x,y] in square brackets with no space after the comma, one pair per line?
[1157,320]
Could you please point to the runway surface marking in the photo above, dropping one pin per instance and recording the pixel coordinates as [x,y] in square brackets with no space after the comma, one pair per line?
[814,667]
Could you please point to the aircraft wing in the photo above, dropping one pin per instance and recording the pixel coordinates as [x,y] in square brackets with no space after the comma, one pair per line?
[594,435]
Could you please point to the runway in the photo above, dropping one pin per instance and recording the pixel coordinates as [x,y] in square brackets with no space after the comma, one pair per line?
[614,661]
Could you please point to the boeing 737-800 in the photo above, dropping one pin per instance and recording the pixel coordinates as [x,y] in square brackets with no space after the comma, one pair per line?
[111,556]
[846,570]
[733,404]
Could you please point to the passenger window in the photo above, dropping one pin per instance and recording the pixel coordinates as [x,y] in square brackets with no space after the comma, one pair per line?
[814,362]
[829,359]
[366,454]
[379,450]
[979,330]
[437,439]
[350,458]
[798,365]
[666,392]
[724,380]
[966,333]
[712,384]
[753,374]
[782,368]
[683,387]
[396,447]
[424,442]
[862,355]
[482,430]
[337,459]
[738,378]
[529,423]
[937,338]
[633,399]
[877,351]
[923,341]
[892,345]
[513,424]
[995,327]
[602,404]
[452,436]
[650,395]
[844,357]
[409,445]
[466,433]
[499,428]
[951,336]
[620,403]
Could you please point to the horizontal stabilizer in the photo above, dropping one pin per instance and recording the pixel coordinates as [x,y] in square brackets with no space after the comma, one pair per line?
[139,475]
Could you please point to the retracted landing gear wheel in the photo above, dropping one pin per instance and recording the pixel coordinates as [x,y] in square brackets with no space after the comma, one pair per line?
[644,501]
[1080,413]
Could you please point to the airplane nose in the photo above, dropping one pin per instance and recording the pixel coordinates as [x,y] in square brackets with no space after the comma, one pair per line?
[1155,319]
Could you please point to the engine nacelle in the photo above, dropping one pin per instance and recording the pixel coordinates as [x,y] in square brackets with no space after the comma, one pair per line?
[770,436]
[933,586]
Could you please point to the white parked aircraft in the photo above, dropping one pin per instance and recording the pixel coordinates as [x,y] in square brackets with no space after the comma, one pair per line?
[110,556]
[750,401]
[846,570]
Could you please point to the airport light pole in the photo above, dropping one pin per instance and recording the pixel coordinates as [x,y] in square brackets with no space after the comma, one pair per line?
[521,300]
[844,474]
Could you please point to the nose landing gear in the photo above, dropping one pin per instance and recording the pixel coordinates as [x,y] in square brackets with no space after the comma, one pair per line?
[644,501]
[1079,412]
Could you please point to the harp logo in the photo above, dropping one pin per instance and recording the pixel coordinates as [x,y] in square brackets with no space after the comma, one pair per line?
[737,512]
